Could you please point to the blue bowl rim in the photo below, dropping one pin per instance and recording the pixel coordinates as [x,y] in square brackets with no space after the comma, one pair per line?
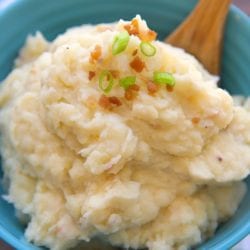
[9,238]
[226,243]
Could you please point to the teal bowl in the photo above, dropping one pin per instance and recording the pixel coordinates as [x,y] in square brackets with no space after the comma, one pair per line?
[23,17]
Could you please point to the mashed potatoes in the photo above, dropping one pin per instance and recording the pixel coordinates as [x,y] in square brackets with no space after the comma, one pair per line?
[147,165]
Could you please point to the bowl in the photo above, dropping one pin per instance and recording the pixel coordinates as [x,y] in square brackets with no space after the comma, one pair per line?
[22,17]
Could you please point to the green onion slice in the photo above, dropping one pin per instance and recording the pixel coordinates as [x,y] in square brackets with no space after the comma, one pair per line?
[147,49]
[164,78]
[106,81]
[120,42]
[128,81]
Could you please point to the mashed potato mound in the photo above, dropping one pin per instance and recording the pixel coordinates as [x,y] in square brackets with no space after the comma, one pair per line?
[147,166]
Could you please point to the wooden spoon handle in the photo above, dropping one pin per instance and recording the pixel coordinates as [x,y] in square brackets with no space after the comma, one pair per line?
[202,32]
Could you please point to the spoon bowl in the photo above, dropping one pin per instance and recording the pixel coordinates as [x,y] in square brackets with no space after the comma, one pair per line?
[201,34]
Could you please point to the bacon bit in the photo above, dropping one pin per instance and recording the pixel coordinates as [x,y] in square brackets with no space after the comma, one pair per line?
[195,120]
[134,52]
[152,87]
[91,75]
[134,87]
[137,64]
[148,36]
[95,54]
[133,27]
[104,102]
[107,102]
[129,95]
[169,88]
[115,100]
[127,27]
[135,24]
[115,73]
[131,92]
[108,77]
[152,35]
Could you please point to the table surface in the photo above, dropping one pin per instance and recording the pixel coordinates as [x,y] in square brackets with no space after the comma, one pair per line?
[245,6]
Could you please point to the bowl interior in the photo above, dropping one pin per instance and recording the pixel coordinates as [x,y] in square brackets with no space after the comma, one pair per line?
[53,17]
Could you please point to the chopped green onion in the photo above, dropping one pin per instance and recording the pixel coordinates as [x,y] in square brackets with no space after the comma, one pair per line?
[128,81]
[106,81]
[120,42]
[147,49]
[164,78]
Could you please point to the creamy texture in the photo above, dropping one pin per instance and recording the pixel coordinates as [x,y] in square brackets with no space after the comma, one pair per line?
[159,171]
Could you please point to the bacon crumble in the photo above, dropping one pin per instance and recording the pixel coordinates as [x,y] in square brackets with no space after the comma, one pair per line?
[91,75]
[137,64]
[195,120]
[107,102]
[115,73]
[169,88]
[135,52]
[131,92]
[114,100]
[95,54]
[152,87]
[148,36]
[129,95]
[133,27]
[134,87]
[104,102]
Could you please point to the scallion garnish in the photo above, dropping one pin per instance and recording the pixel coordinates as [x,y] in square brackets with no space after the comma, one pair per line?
[164,78]
[128,81]
[147,49]
[106,81]
[120,42]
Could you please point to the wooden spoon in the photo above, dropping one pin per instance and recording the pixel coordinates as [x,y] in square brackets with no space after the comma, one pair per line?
[202,32]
